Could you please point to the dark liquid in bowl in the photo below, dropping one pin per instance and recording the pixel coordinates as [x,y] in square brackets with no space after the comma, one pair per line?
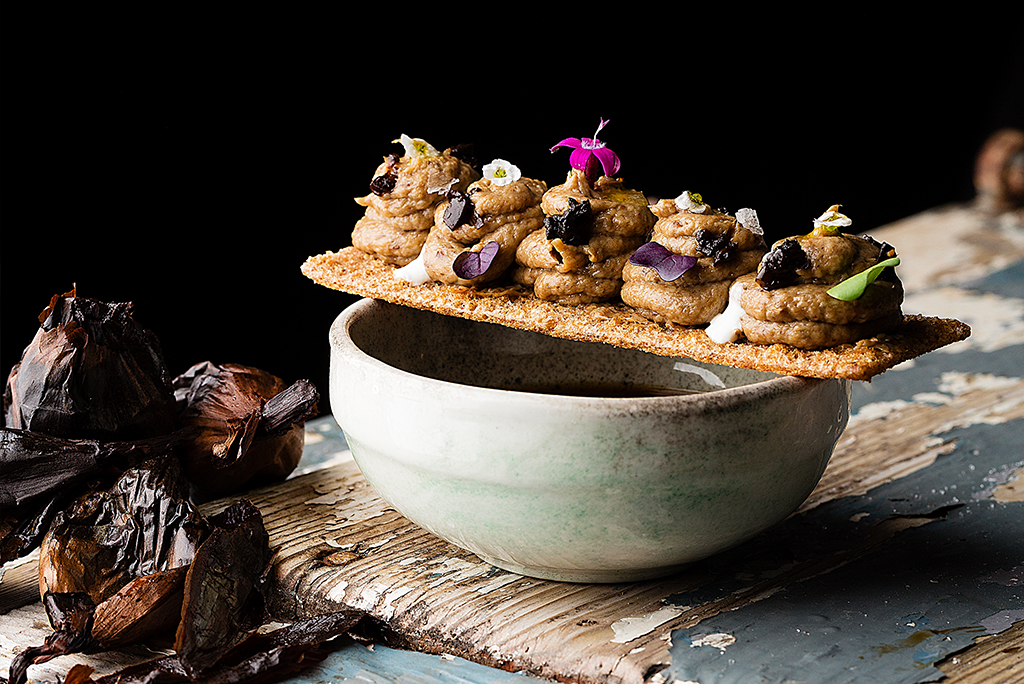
[611,390]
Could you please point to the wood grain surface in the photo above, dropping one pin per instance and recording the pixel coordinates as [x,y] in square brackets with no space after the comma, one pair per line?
[917,435]
[340,545]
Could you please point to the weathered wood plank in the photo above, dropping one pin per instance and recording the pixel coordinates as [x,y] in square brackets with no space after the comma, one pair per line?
[953,245]
[998,659]
[891,440]
[19,585]
[339,545]
[441,599]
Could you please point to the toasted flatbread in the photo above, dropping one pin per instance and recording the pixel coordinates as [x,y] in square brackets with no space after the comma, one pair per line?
[356,272]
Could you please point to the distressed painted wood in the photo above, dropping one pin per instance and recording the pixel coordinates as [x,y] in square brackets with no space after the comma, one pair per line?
[954,244]
[341,545]
[891,486]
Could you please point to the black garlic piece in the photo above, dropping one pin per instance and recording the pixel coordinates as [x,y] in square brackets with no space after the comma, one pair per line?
[573,227]
[90,372]
[779,267]
[250,426]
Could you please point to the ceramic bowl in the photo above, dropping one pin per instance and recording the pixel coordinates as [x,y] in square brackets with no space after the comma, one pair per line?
[461,427]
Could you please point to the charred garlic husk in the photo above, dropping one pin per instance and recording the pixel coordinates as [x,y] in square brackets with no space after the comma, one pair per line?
[249,425]
[91,371]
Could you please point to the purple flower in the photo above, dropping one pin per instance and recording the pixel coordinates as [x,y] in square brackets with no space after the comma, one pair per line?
[589,153]
[668,264]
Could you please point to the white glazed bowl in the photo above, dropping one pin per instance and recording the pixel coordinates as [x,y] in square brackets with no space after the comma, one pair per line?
[572,488]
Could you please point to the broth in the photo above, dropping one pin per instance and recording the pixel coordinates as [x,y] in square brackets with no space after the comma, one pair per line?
[604,389]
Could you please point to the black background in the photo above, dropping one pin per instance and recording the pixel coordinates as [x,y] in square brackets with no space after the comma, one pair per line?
[192,172]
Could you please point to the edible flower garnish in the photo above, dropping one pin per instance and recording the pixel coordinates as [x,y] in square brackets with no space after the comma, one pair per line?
[748,219]
[590,153]
[417,147]
[853,287]
[500,172]
[469,265]
[691,202]
[668,264]
[831,221]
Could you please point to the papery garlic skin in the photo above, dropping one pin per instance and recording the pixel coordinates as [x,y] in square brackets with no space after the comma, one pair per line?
[232,408]
[91,372]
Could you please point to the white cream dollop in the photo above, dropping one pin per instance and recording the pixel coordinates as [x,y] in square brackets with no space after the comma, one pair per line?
[725,327]
[414,272]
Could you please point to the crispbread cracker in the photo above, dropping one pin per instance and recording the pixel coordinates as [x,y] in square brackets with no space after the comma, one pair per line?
[356,272]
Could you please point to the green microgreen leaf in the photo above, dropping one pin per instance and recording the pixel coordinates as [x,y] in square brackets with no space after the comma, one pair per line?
[853,287]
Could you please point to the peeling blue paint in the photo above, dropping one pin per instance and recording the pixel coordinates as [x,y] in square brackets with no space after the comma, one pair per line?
[885,617]
[1005,282]
[1002,620]
[953,574]
[382,665]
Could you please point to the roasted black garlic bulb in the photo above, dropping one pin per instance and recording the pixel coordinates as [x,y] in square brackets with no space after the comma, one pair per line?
[90,372]
[249,425]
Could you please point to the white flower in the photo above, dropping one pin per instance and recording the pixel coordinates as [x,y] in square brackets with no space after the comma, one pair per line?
[691,202]
[417,147]
[748,219]
[500,172]
[832,217]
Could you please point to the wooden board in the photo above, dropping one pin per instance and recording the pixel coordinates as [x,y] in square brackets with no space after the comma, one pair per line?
[342,546]
[903,565]
[339,545]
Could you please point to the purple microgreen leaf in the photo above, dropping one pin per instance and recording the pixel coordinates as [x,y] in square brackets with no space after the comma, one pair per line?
[469,265]
[668,264]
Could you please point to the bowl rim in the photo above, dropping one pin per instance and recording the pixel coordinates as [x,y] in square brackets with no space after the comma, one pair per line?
[341,343]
